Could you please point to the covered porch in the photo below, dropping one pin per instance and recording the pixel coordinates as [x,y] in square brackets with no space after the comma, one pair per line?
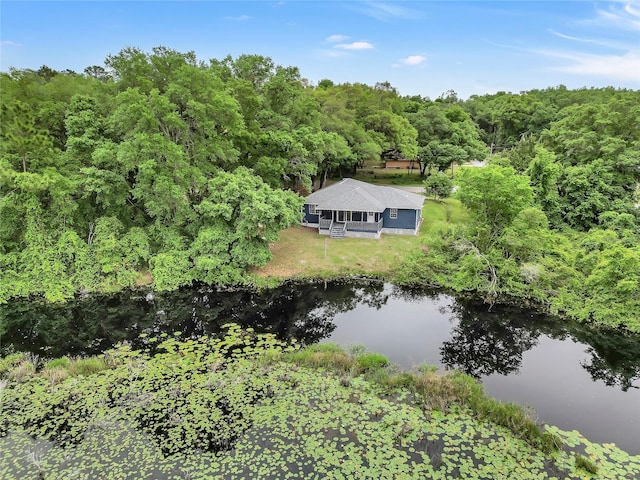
[341,223]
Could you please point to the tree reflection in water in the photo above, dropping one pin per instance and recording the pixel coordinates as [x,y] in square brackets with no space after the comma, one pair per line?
[93,324]
[482,343]
[615,358]
[487,342]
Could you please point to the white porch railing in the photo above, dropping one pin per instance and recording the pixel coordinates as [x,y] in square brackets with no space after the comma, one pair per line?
[327,224]
[365,226]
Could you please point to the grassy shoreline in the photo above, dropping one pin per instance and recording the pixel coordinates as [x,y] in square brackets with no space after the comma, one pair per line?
[560,279]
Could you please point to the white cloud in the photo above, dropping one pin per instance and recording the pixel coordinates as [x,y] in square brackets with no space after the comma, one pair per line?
[621,63]
[240,18]
[619,20]
[413,60]
[633,9]
[332,53]
[611,44]
[623,14]
[620,67]
[354,46]
[569,37]
[336,38]
[384,11]
[9,43]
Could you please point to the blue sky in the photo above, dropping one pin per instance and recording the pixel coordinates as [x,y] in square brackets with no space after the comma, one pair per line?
[420,47]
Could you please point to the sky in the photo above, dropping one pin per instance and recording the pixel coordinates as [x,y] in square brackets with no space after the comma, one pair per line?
[421,47]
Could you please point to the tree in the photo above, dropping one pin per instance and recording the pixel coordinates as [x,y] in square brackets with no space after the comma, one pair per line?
[494,195]
[446,135]
[614,286]
[527,236]
[97,72]
[438,185]
[522,153]
[585,192]
[241,216]
[370,119]
[598,144]
[544,172]
[505,118]
[23,143]
[131,67]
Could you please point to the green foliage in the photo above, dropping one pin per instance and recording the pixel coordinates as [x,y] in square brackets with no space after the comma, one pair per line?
[242,215]
[171,269]
[10,362]
[598,144]
[371,361]
[160,163]
[586,464]
[326,355]
[243,406]
[438,186]
[544,171]
[62,362]
[528,235]
[614,286]
[494,195]
[589,163]
[85,366]
[113,177]
[446,135]
[589,277]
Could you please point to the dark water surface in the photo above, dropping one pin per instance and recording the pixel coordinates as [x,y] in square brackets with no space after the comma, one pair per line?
[574,377]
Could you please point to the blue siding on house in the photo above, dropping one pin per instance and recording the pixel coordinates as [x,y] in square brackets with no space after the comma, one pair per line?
[308,217]
[406,219]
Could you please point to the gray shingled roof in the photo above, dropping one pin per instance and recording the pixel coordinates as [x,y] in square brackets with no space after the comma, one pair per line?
[357,196]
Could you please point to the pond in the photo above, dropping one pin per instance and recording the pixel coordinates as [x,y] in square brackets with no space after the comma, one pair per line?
[574,377]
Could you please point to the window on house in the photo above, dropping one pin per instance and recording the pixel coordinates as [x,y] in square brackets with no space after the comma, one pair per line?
[393,213]
[312,209]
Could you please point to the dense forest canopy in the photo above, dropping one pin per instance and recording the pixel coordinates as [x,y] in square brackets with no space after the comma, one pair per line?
[161,164]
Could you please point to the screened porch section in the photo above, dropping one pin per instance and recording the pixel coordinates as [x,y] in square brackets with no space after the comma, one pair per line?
[350,221]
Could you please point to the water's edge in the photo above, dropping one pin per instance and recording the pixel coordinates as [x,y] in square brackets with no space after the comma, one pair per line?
[573,375]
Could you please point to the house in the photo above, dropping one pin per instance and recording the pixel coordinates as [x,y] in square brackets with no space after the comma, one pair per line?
[401,164]
[352,208]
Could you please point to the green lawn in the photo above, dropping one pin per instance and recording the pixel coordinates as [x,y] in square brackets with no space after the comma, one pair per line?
[380,176]
[303,253]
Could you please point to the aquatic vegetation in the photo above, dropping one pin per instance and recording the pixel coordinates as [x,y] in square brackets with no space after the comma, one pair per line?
[250,406]
[369,361]
[586,464]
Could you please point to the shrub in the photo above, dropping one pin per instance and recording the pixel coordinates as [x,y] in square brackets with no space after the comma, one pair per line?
[438,186]
[55,375]
[22,372]
[10,362]
[586,464]
[87,366]
[368,361]
[326,355]
[62,362]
